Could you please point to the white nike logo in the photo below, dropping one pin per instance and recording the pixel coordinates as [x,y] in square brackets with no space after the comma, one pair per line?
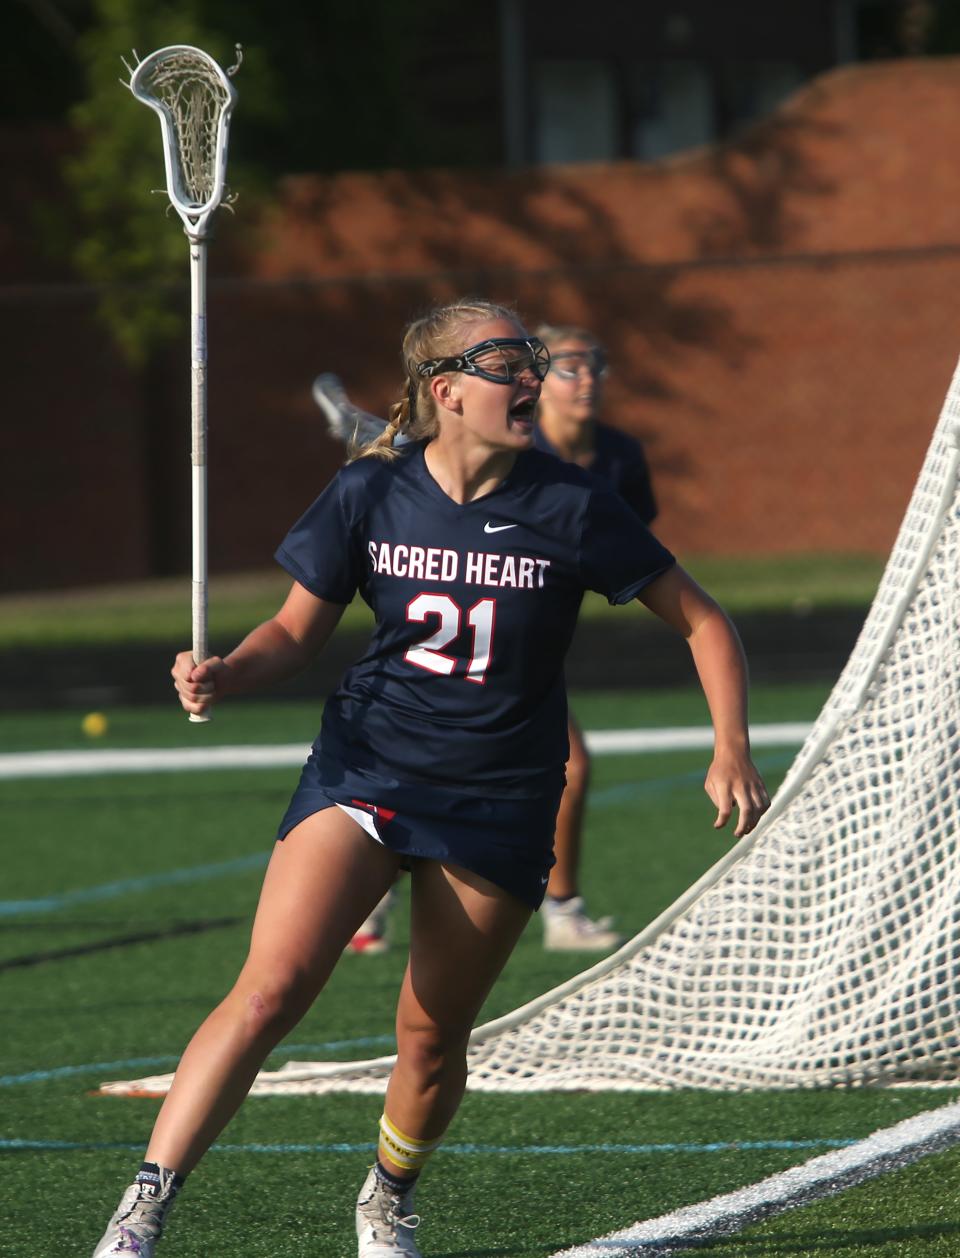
[497,528]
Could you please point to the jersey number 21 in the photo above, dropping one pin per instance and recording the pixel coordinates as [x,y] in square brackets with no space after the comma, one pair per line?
[428,654]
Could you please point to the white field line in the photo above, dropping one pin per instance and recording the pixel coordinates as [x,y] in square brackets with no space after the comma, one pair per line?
[824,1176]
[45,764]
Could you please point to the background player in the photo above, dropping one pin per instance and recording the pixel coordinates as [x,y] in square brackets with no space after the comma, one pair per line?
[567,426]
[442,749]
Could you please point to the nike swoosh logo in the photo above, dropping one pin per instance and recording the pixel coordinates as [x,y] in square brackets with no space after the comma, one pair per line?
[497,528]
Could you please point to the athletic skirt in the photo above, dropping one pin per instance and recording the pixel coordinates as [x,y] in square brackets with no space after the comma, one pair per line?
[506,840]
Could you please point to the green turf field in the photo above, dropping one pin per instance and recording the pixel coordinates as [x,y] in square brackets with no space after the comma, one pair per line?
[126,906]
[158,610]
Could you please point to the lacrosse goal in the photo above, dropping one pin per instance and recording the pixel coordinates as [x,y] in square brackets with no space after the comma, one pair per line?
[824,949]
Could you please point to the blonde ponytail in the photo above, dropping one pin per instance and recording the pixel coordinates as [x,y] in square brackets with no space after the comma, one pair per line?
[399,421]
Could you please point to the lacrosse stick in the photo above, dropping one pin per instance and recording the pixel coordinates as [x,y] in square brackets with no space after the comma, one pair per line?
[194,99]
[346,422]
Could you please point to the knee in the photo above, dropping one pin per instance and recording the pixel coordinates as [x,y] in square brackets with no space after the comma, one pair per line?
[432,1054]
[268,1010]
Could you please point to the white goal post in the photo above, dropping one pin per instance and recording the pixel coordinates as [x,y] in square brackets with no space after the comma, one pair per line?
[823,949]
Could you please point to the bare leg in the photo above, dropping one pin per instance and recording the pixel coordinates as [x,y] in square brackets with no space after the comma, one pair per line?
[370,937]
[564,876]
[463,929]
[322,880]
[566,925]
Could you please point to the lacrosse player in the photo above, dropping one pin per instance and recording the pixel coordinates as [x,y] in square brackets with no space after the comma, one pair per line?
[567,426]
[443,748]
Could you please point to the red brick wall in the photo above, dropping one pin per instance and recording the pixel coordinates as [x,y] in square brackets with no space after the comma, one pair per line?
[781,313]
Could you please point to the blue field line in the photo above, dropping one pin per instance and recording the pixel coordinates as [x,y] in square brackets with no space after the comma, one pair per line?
[337,1046]
[128,886]
[64,1072]
[461,1150]
[104,1067]
[622,792]
[604,797]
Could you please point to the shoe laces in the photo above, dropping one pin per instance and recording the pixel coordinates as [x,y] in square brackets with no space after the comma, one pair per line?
[145,1215]
[386,1211]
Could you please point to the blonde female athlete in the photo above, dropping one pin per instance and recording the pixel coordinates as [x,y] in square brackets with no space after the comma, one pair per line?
[568,426]
[442,750]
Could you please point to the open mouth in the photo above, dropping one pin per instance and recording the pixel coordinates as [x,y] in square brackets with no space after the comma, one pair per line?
[523,409]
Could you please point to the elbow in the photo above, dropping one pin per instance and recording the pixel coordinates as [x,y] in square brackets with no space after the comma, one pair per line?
[715,631]
[296,647]
[709,618]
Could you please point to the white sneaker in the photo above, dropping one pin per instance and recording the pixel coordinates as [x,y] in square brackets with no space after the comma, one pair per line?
[385,1221]
[371,938]
[138,1222]
[567,928]
[345,421]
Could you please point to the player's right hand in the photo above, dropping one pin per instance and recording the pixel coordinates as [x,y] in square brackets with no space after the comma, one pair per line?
[199,686]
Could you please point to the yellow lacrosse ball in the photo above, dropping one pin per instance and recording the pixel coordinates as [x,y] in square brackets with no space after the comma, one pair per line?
[94,725]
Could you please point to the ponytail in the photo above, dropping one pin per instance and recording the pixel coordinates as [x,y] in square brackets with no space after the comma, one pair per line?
[402,416]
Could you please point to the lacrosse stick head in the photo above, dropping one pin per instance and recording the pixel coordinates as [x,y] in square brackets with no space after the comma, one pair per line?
[194,99]
[345,422]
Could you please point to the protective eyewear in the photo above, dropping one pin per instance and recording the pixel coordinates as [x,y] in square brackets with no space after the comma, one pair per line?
[569,363]
[500,360]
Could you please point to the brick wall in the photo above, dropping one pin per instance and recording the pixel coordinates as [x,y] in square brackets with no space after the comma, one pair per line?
[781,314]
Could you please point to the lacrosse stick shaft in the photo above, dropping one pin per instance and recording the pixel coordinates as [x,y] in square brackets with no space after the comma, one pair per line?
[198,447]
[193,98]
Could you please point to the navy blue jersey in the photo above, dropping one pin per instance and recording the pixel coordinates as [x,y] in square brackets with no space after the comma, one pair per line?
[619,460]
[462,682]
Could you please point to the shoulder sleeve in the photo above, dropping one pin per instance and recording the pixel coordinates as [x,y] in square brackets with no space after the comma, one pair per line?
[322,551]
[618,553]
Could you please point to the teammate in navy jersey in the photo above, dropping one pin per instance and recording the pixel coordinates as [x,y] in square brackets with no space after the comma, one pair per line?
[442,749]
[568,423]
[568,427]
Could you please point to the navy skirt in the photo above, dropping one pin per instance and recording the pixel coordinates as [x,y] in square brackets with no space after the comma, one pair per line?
[507,840]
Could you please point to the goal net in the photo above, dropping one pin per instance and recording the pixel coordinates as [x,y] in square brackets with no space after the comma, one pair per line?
[824,948]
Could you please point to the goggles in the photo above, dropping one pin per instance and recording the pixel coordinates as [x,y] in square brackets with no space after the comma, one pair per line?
[500,360]
[568,363]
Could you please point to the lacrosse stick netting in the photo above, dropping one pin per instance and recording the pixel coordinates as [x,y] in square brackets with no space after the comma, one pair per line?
[193,98]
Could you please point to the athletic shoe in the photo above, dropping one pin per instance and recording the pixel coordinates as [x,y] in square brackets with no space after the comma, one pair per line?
[368,944]
[385,1221]
[567,928]
[138,1223]
[345,421]
[371,938]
